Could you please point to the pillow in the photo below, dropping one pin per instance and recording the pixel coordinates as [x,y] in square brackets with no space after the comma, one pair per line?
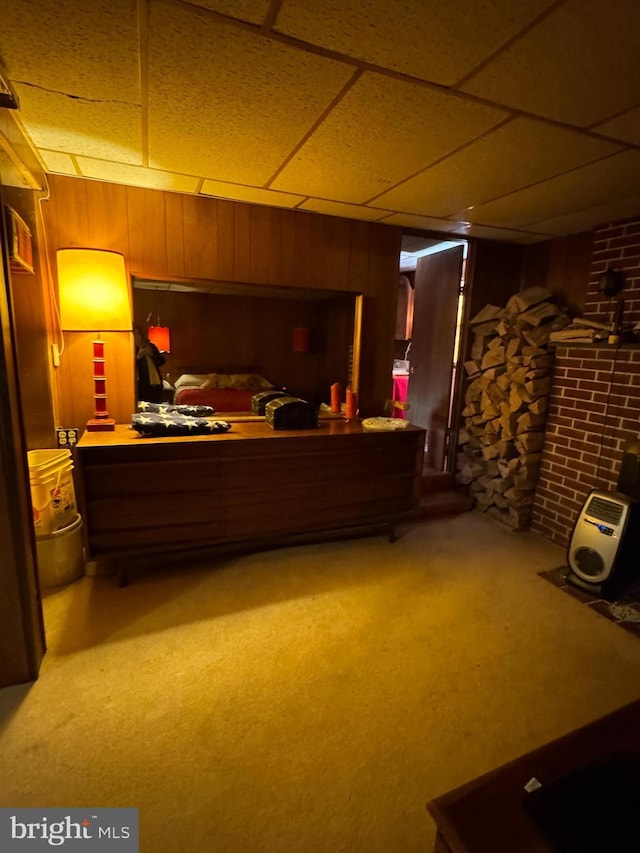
[216,380]
[193,380]
[249,382]
[237,381]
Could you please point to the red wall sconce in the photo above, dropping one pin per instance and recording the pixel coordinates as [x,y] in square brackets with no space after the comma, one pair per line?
[301,339]
[161,337]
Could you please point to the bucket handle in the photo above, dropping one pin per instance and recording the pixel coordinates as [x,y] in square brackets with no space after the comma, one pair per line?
[42,509]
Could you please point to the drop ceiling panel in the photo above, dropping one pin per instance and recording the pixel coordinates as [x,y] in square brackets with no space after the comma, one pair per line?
[408,220]
[580,65]
[428,39]
[56,161]
[136,176]
[235,103]
[382,131]
[584,220]
[487,168]
[625,126]
[87,50]
[255,195]
[348,211]
[253,11]
[509,234]
[79,126]
[590,186]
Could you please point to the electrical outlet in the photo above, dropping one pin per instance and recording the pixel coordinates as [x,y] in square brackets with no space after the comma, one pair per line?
[55,355]
[67,437]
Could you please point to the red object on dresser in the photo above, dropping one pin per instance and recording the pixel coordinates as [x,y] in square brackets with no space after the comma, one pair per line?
[400,391]
[222,399]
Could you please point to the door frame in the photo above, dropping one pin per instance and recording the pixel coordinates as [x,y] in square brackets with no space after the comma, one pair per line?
[22,636]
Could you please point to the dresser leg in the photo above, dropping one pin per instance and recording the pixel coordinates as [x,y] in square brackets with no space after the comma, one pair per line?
[121,573]
[441,845]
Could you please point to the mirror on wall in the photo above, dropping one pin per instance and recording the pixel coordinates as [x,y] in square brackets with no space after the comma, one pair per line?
[300,339]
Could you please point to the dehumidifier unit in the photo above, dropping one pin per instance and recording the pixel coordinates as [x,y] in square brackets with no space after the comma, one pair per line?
[605,536]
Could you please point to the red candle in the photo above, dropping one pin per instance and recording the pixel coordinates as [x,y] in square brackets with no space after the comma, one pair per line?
[351,408]
[335,397]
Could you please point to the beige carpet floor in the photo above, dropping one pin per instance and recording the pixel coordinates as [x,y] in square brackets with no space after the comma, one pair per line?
[312,698]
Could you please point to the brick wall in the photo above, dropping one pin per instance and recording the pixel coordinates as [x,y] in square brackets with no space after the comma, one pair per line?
[595,400]
[618,246]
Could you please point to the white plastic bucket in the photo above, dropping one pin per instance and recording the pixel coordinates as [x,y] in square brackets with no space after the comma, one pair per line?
[53,497]
[60,555]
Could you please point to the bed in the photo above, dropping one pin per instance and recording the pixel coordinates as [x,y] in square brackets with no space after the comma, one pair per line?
[223,390]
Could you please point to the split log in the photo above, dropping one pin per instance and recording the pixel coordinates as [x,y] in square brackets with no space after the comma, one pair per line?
[493,357]
[485,329]
[527,442]
[525,299]
[489,312]
[540,313]
[530,421]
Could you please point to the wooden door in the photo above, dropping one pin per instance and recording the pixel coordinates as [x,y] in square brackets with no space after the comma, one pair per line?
[21,623]
[435,311]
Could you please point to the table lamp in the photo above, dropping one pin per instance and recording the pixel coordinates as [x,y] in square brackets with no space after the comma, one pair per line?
[93,292]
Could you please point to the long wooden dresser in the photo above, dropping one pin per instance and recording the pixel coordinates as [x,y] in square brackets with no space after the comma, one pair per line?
[252,487]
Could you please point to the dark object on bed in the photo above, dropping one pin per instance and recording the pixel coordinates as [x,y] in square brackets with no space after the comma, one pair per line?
[259,401]
[592,809]
[291,413]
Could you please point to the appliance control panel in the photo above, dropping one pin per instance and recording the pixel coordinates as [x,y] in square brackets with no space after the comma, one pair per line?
[608,531]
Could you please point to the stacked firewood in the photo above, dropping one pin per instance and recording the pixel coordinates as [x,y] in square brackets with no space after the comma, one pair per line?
[506,400]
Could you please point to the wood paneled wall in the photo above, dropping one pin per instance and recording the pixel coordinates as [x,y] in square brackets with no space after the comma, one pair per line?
[562,266]
[169,235]
[31,319]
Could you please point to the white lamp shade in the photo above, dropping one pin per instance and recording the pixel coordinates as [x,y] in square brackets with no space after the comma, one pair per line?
[93,291]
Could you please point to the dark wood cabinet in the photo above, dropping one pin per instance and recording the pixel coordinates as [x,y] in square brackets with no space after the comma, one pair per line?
[252,486]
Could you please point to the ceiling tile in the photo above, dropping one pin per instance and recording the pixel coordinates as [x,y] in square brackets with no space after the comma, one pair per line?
[585,220]
[427,39]
[255,195]
[381,131]
[579,65]
[487,168]
[408,220]
[111,131]
[136,176]
[253,11]
[508,234]
[87,50]
[589,186]
[348,211]
[625,127]
[236,102]
[56,161]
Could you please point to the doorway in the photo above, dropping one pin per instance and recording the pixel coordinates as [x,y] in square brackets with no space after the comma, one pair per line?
[430,310]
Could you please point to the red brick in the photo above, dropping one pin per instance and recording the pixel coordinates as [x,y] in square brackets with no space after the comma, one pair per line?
[610,231]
